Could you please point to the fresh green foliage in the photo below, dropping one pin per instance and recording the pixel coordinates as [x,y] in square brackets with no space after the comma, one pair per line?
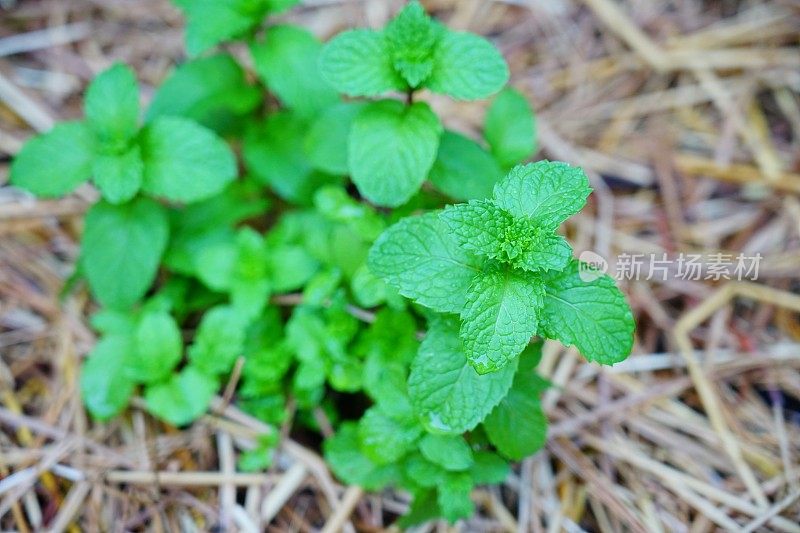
[463,169]
[68,147]
[448,451]
[156,348]
[413,52]
[505,271]
[112,108]
[447,394]
[593,316]
[105,388]
[330,278]
[393,147]
[326,140]
[213,91]
[274,152]
[517,426]
[123,242]
[510,128]
[282,61]
[424,263]
[171,158]
[467,67]
[183,161]
[211,22]
[500,317]
[182,398]
[218,341]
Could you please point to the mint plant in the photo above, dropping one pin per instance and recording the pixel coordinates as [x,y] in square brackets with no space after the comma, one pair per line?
[393,146]
[228,248]
[500,265]
[170,158]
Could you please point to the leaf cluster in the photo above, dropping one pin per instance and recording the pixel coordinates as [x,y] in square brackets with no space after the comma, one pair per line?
[229,251]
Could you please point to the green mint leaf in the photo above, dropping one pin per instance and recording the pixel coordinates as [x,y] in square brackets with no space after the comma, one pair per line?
[158,347]
[546,192]
[212,91]
[286,62]
[419,257]
[269,407]
[112,107]
[238,202]
[412,38]
[261,456]
[326,140]
[321,287]
[347,249]
[467,67]
[291,267]
[517,427]
[212,22]
[183,161]
[205,224]
[547,252]
[320,339]
[113,322]
[391,149]
[250,284]
[500,317]
[274,153]
[68,147]
[448,395]
[387,347]
[368,290]
[486,229]
[385,439]
[489,468]
[591,315]
[308,385]
[423,472]
[219,341]
[454,497]
[482,227]
[359,63]
[335,204]
[424,507]
[121,248]
[510,128]
[105,388]
[118,177]
[215,261]
[346,375]
[183,398]
[463,169]
[343,454]
[385,382]
[451,452]
[265,366]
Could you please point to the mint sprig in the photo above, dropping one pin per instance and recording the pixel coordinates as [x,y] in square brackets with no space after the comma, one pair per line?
[414,52]
[500,265]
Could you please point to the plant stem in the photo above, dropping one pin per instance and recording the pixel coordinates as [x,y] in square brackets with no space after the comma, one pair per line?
[409,96]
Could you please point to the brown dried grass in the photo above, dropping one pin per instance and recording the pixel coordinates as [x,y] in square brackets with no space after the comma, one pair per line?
[686,115]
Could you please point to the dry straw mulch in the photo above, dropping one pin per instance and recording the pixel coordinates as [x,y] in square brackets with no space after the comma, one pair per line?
[686,115]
